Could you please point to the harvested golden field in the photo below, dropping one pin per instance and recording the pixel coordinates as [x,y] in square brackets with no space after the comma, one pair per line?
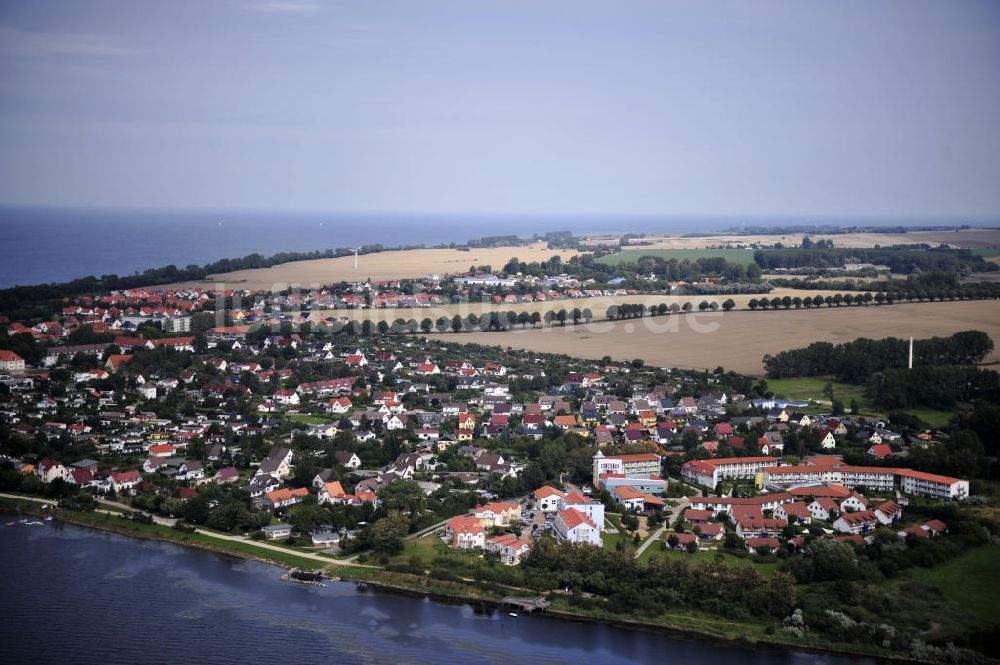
[378,266]
[738,340]
[971,238]
[598,306]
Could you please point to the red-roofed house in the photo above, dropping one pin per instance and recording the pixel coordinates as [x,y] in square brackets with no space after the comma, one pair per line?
[573,526]
[466,532]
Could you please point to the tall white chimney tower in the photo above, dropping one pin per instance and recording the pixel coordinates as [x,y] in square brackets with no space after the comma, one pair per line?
[911,354]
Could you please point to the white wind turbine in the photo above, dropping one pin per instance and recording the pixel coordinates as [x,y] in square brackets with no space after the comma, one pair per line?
[356,249]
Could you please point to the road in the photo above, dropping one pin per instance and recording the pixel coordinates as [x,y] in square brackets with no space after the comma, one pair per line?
[166,521]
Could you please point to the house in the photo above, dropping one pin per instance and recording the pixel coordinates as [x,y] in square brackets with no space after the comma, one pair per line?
[709,531]
[509,547]
[284,497]
[824,508]
[589,507]
[574,526]
[629,498]
[162,450]
[331,492]
[547,498]
[762,545]
[859,522]
[49,469]
[277,531]
[889,512]
[10,362]
[880,450]
[347,458]
[466,422]
[853,502]
[757,526]
[828,441]
[229,474]
[695,516]
[125,482]
[465,532]
[339,405]
[796,512]
[498,514]
[681,539]
[286,397]
[324,537]
[82,478]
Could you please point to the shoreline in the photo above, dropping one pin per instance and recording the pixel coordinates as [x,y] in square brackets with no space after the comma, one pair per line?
[358,576]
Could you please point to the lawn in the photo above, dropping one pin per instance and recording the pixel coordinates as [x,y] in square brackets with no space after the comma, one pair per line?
[742,256]
[306,419]
[972,580]
[804,389]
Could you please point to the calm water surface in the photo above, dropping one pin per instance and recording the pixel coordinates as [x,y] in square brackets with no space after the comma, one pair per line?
[76,595]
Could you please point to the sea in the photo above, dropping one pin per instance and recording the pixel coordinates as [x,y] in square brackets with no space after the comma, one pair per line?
[71,594]
[40,245]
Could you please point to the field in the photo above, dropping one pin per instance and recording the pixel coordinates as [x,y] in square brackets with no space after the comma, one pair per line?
[738,340]
[961,238]
[378,266]
[810,388]
[742,256]
[972,581]
[598,306]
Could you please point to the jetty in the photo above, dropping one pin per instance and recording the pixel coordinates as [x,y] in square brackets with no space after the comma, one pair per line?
[526,604]
[304,577]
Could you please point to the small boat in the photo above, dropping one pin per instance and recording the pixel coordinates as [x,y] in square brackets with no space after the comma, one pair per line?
[34,524]
[49,518]
[11,523]
[513,614]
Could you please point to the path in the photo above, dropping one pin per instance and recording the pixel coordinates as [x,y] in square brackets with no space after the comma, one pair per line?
[166,521]
[669,518]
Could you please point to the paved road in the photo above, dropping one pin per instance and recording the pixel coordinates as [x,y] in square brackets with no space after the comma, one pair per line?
[166,521]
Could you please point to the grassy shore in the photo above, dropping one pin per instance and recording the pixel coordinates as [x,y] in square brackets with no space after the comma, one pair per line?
[681,623]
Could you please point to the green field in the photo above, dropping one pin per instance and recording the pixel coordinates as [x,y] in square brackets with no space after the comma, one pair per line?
[307,419]
[972,580]
[810,388]
[742,256]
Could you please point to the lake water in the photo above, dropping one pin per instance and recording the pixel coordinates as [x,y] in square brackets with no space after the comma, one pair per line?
[76,595]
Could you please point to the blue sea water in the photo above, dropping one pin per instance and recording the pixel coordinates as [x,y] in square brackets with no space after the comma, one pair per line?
[40,245]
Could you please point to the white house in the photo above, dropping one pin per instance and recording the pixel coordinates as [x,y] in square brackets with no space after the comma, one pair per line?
[547,499]
[574,526]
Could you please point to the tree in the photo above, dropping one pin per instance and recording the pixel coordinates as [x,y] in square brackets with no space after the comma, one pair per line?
[456,323]
[673,540]
[385,536]
[753,304]
[728,304]
[426,325]
[692,547]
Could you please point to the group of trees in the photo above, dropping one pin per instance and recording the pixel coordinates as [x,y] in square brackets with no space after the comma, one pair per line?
[660,585]
[900,260]
[855,361]
[932,386]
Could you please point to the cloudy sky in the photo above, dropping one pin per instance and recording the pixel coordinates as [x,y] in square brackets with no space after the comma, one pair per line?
[843,109]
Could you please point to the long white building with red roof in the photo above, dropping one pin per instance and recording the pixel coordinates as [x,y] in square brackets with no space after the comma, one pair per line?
[709,472]
[878,478]
[635,466]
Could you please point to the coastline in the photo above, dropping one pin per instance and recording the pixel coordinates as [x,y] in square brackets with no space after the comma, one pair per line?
[438,590]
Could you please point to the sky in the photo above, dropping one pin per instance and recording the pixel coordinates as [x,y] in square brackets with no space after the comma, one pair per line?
[849,109]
